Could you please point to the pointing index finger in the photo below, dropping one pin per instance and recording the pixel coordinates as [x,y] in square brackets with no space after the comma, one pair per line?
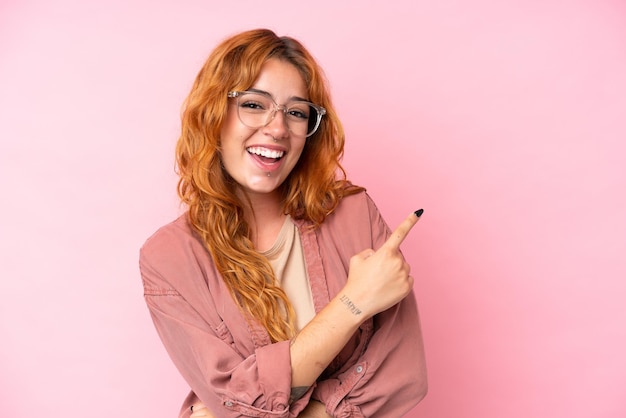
[403,230]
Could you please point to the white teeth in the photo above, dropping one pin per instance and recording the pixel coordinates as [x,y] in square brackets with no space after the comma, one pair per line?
[264,152]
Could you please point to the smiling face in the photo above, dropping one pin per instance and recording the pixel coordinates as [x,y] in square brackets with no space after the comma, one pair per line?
[259,160]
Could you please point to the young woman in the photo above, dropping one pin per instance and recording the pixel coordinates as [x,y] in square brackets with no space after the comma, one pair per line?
[280,292]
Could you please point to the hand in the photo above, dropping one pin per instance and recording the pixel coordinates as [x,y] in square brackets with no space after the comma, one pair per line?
[379,279]
[314,409]
[199,410]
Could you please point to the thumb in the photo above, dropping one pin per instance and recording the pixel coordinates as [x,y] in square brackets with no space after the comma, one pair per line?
[365,254]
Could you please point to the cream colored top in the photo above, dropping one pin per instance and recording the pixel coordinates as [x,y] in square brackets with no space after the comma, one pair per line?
[287,259]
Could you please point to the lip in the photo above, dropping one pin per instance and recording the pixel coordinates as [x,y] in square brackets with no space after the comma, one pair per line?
[267,167]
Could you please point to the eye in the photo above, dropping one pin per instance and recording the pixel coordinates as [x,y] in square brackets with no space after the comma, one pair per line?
[299,111]
[252,105]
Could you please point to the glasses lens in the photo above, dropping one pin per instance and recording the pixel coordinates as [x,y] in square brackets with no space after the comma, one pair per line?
[256,110]
[301,118]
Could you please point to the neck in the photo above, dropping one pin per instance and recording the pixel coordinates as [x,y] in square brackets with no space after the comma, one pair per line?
[264,214]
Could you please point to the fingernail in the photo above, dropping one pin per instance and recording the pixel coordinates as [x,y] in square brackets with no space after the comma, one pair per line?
[419,212]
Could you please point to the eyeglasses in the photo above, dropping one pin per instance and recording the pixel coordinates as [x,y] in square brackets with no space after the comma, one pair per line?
[256,110]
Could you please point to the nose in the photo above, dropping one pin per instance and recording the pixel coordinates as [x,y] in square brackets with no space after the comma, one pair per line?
[277,126]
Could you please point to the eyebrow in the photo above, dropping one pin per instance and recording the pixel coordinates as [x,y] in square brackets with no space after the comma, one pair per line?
[267,93]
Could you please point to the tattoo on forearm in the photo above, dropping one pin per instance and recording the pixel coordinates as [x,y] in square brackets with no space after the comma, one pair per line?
[346,301]
[297,393]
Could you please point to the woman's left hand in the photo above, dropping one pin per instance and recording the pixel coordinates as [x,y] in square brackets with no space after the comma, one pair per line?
[314,409]
[199,410]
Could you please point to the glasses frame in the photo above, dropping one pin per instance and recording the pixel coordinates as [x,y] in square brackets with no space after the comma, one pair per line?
[283,108]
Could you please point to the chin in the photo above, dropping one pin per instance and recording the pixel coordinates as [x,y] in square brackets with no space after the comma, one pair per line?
[265,186]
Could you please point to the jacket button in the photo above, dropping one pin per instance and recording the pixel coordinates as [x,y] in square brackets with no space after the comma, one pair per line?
[228,403]
[359,369]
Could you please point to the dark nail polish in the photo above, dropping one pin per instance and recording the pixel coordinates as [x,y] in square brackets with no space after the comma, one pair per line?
[419,212]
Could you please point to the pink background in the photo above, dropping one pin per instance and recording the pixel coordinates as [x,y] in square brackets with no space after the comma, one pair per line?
[505,120]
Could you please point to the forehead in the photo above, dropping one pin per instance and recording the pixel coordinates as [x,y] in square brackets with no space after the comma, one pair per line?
[281,79]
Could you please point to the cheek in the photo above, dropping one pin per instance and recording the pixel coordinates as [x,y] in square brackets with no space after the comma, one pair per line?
[297,154]
[228,126]
[298,150]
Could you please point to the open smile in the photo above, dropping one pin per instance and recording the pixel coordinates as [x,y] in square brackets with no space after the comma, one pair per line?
[265,155]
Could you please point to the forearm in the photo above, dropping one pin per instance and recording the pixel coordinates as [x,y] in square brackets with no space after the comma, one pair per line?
[376,281]
[319,342]
[393,375]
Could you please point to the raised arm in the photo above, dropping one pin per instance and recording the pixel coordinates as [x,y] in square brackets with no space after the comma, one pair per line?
[386,377]
[377,280]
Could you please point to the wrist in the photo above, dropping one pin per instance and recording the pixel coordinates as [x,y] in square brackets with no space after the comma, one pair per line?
[349,310]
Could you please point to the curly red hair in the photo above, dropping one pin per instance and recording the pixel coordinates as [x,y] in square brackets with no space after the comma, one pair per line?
[312,190]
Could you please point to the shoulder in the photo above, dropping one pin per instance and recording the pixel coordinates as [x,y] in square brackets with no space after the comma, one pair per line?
[174,234]
[172,254]
[357,207]
[356,219]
